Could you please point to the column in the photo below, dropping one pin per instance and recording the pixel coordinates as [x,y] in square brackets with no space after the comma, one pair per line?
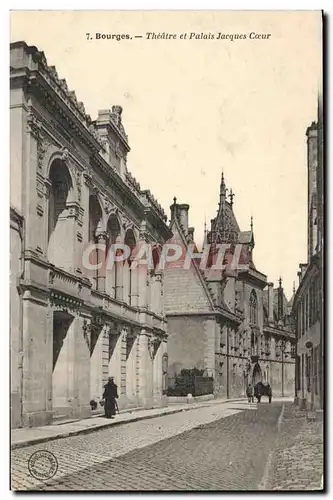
[134,301]
[79,392]
[158,373]
[145,370]
[105,334]
[142,280]
[96,363]
[101,257]
[209,354]
[131,375]
[119,287]
[126,282]
[117,362]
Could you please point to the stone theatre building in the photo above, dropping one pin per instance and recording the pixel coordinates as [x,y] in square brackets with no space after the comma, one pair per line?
[232,324]
[70,186]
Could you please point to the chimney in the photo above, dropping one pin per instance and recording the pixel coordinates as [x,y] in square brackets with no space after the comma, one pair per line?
[182,211]
[270,302]
[280,300]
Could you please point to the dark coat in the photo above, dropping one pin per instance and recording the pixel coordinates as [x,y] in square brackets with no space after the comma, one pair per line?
[249,391]
[110,394]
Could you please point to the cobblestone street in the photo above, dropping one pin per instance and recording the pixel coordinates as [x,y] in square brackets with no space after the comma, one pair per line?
[220,447]
[298,458]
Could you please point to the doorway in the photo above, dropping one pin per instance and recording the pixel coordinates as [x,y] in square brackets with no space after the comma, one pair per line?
[257,375]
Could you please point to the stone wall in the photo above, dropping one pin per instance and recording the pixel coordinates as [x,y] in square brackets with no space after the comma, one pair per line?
[15,319]
[186,343]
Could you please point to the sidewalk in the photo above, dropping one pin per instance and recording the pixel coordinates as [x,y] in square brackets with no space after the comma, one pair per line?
[298,460]
[34,435]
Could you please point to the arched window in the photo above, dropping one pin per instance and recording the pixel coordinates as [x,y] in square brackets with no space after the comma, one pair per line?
[60,252]
[253,308]
[129,275]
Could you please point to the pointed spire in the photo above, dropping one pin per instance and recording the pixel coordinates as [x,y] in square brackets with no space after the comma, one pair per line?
[174,200]
[223,190]
[205,232]
[294,288]
[280,300]
[251,223]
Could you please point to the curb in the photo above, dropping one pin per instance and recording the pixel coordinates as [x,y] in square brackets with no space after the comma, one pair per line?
[262,486]
[44,439]
[62,435]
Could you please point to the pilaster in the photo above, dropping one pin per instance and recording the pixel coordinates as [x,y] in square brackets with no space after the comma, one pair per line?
[131,368]
[37,360]
[145,370]
[96,362]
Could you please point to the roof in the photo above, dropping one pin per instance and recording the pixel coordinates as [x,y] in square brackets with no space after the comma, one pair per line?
[245,237]
[286,304]
[204,282]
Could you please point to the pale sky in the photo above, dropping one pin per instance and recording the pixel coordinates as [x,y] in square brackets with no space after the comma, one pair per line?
[193,108]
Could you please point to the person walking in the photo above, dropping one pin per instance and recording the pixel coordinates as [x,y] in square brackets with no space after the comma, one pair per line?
[250,393]
[110,395]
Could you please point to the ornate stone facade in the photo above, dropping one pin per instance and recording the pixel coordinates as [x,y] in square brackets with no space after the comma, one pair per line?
[73,327]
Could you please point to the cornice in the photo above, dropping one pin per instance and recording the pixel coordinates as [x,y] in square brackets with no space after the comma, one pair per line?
[278,332]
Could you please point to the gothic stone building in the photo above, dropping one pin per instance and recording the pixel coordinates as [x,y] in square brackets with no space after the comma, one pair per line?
[232,323]
[70,327]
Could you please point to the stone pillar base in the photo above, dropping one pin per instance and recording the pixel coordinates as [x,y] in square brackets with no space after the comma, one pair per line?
[302,404]
[164,401]
[296,400]
[37,419]
[82,412]
[146,403]
[160,401]
[125,403]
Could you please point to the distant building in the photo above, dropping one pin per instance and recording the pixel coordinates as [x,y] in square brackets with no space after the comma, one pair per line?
[226,323]
[308,301]
[70,187]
